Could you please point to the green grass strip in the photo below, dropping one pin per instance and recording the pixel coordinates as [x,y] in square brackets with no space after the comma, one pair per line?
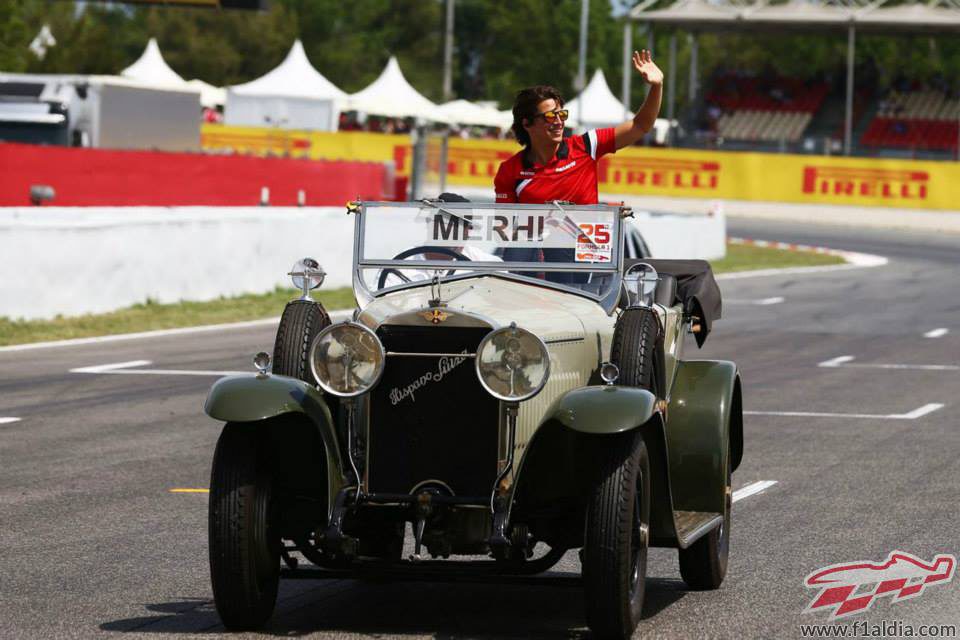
[151,315]
[742,257]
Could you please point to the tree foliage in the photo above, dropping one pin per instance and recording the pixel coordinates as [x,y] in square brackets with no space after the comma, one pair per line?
[500,46]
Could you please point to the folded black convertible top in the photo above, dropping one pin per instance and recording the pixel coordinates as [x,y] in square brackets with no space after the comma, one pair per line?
[697,290]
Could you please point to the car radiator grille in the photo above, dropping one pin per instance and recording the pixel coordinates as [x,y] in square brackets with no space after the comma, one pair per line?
[430,420]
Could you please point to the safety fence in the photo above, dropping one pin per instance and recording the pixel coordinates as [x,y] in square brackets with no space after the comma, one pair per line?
[87,177]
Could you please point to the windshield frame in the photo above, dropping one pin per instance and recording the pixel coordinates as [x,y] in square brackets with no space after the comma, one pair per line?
[497,269]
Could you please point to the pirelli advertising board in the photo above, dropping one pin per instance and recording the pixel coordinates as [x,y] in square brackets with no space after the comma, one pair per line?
[643,171]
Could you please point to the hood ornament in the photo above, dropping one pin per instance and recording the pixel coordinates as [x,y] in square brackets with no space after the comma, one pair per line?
[434,316]
[436,295]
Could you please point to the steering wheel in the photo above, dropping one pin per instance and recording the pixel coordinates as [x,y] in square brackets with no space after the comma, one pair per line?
[403,255]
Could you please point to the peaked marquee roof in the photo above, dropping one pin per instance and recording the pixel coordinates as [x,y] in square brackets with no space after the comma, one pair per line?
[295,77]
[600,106]
[151,68]
[392,96]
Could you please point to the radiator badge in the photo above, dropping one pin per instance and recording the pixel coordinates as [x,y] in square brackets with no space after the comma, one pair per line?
[436,316]
[445,365]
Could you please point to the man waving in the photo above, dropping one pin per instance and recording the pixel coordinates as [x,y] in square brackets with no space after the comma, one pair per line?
[553,167]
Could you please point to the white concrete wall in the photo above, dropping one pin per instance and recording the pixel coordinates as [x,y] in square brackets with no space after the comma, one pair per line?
[683,236]
[70,261]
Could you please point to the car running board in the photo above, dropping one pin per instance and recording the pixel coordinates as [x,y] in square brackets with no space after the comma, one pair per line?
[693,525]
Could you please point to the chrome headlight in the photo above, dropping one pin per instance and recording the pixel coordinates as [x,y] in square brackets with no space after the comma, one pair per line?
[512,364]
[347,359]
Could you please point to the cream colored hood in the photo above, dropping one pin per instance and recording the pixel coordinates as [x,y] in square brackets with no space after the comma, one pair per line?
[496,302]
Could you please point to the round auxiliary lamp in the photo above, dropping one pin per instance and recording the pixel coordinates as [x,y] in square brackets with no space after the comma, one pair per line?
[640,281]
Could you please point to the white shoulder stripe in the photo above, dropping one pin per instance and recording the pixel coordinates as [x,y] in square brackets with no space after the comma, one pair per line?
[593,143]
[523,184]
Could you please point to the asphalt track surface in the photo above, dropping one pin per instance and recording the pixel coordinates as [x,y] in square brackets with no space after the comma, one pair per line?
[94,544]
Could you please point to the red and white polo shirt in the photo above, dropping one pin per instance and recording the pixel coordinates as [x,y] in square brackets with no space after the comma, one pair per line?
[570,176]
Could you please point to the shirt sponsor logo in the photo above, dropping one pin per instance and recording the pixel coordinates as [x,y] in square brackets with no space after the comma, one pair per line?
[566,166]
[528,173]
[866,183]
[660,173]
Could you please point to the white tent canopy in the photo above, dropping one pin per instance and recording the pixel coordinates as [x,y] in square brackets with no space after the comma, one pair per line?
[392,96]
[596,106]
[294,95]
[151,68]
[465,112]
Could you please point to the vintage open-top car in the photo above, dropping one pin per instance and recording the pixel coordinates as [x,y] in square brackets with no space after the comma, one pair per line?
[509,385]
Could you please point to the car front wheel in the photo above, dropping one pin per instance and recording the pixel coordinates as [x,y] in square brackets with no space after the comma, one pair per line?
[616,537]
[244,550]
[300,323]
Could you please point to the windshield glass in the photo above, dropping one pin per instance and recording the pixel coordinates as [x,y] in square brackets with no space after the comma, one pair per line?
[566,245]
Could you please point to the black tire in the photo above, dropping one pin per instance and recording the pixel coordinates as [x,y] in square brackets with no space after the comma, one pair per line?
[300,323]
[637,350]
[617,536]
[703,565]
[244,550]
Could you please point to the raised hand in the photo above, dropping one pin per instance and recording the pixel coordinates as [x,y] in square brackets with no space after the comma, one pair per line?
[643,63]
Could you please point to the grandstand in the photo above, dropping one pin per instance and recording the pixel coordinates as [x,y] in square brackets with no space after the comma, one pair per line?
[851,115]
[922,119]
[764,109]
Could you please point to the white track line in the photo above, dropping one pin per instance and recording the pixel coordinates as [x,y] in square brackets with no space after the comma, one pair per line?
[910,415]
[936,333]
[847,361]
[762,302]
[9,420]
[229,326]
[126,368]
[752,489]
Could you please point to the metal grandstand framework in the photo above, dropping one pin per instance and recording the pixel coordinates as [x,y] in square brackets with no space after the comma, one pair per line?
[865,16]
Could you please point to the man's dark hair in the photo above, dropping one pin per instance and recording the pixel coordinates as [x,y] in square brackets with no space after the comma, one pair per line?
[525,108]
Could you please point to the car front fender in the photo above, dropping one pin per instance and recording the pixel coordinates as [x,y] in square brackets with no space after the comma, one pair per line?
[556,465]
[256,398]
[603,409]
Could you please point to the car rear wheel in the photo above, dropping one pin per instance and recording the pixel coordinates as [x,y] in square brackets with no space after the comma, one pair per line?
[703,565]
[616,538]
[300,323]
[244,548]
